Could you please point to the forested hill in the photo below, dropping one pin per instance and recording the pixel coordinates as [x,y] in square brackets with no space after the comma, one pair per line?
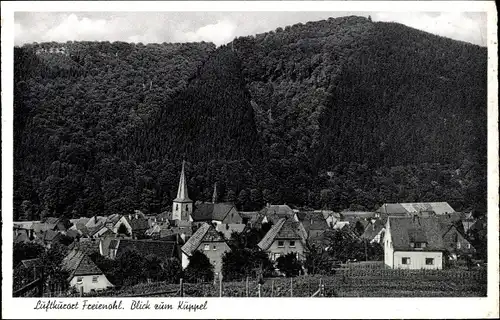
[337,113]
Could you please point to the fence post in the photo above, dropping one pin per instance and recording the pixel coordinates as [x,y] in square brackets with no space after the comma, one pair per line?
[320,286]
[259,289]
[181,288]
[291,287]
[246,286]
[220,286]
[272,288]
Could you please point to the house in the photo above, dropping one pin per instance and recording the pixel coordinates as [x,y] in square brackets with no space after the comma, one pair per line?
[225,213]
[48,238]
[330,217]
[138,225]
[95,221]
[374,232]
[455,242]
[21,235]
[314,224]
[99,231]
[408,209]
[228,229]
[115,221]
[413,243]
[285,236]
[162,249]
[79,224]
[249,218]
[273,213]
[57,224]
[84,275]
[207,240]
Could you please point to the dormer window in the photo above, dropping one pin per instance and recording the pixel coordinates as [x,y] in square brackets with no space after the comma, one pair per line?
[419,245]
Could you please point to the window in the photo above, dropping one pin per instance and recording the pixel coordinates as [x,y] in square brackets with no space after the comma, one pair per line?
[214,247]
[405,260]
[281,244]
[207,247]
[459,245]
[176,207]
[187,208]
[79,279]
[429,261]
[419,245]
[468,245]
[95,278]
[292,244]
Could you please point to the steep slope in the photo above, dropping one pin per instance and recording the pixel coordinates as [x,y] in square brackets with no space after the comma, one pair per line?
[336,113]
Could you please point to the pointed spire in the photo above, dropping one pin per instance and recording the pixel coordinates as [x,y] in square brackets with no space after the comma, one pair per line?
[214,197]
[182,192]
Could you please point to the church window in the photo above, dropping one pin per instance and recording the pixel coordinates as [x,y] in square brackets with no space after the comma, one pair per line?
[176,207]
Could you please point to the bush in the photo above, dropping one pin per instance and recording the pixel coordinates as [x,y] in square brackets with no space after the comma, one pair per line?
[199,268]
[289,265]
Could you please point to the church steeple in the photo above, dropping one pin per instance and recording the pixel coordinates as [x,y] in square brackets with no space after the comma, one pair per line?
[182,192]
[182,206]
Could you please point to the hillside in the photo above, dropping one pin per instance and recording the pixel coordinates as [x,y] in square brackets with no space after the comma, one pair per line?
[336,113]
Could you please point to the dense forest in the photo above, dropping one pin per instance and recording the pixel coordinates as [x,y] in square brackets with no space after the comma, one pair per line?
[343,113]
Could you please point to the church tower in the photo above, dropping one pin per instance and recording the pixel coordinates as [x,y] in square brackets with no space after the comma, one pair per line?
[182,206]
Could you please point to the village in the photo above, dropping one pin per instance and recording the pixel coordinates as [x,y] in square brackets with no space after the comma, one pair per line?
[201,243]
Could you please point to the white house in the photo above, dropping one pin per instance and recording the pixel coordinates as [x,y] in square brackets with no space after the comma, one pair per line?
[413,243]
[84,273]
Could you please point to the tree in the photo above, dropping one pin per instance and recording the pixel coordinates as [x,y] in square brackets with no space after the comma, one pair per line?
[289,264]
[240,263]
[199,268]
[51,260]
[131,268]
[24,251]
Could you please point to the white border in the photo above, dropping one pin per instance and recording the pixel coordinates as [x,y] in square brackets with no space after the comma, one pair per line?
[254,307]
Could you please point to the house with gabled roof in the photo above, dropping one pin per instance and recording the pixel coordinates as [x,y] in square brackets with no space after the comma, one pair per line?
[408,209]
[285,236]
[208,241]
[455,242]
[84,274]
[413,243]
[374,232]
[314,224]
[216,213]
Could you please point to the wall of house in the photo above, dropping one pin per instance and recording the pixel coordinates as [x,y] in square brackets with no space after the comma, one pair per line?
[185,260]
[417,259]
[215,256]
[88,284]
[388,248]
[275,249]
[232,217]
[123,221]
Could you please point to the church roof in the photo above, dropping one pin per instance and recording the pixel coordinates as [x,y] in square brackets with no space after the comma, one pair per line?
[182,192]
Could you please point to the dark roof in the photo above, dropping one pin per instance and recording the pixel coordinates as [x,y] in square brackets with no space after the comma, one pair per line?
[49,235]
[405,230]
[162,249]
[140,224]
[228,229]
[205,233]
[78,263]
[85,246]
[283,229]
[313,221]
[114,218]
[211,211]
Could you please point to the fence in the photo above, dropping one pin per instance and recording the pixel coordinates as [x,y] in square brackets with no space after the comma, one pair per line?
[362,282]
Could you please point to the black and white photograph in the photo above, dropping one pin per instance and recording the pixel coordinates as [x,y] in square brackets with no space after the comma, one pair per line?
[331,154]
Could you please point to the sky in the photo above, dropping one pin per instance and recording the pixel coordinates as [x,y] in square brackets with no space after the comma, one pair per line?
[217,27]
